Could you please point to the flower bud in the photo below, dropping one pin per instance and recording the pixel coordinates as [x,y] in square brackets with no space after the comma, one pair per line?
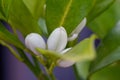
[77,30]
[57,40]
[34,40]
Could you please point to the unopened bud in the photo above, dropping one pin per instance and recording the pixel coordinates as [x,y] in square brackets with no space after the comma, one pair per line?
[77,30]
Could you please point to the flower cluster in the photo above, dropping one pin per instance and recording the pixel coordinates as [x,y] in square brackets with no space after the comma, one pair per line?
[57,42]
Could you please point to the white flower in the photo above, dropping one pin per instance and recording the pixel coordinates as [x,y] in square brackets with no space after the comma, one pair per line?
[57,41]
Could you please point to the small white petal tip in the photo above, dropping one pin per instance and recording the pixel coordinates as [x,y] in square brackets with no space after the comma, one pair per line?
[66,50]
[73,37]
[65,63]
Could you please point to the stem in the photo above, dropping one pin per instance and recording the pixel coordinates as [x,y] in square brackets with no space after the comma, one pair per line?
[50,74]
[28,63]
[51,67]
[36,63]
[12,50]
[50,71]
[41,60]
[43,77]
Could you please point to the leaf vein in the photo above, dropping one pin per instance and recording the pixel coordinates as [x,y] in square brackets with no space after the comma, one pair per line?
[66,12]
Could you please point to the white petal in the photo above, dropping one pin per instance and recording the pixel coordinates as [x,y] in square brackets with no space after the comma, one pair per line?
[77,30]
[66,50]
[65,63]
[34,40]
[57,40]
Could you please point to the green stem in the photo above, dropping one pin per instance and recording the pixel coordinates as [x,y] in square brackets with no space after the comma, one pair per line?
[36,64]
[12,50]
[41,60]
[28,63]
[51,67]
[50,71]
[43,77]
[50,74]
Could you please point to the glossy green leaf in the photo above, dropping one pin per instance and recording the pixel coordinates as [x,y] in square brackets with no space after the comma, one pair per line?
[23,15]
[1,16]
[9,38]
[99,7]
[105,22]
[84,51]
[22,18]
[82,70]
[111,72]
[35,7]
[4,7]
[109,50]
[66,13]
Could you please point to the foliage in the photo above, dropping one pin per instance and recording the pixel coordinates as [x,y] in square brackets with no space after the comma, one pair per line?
[43,16]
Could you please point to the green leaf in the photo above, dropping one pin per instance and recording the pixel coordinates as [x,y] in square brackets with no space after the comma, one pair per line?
[9,38]
[111,72]
[109,50]
[66,13]
[22,18]
[105,22]
[23,15]
[35,7]
[4,7]
[1,16]
[99,7]
[84,51]
[82,70]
